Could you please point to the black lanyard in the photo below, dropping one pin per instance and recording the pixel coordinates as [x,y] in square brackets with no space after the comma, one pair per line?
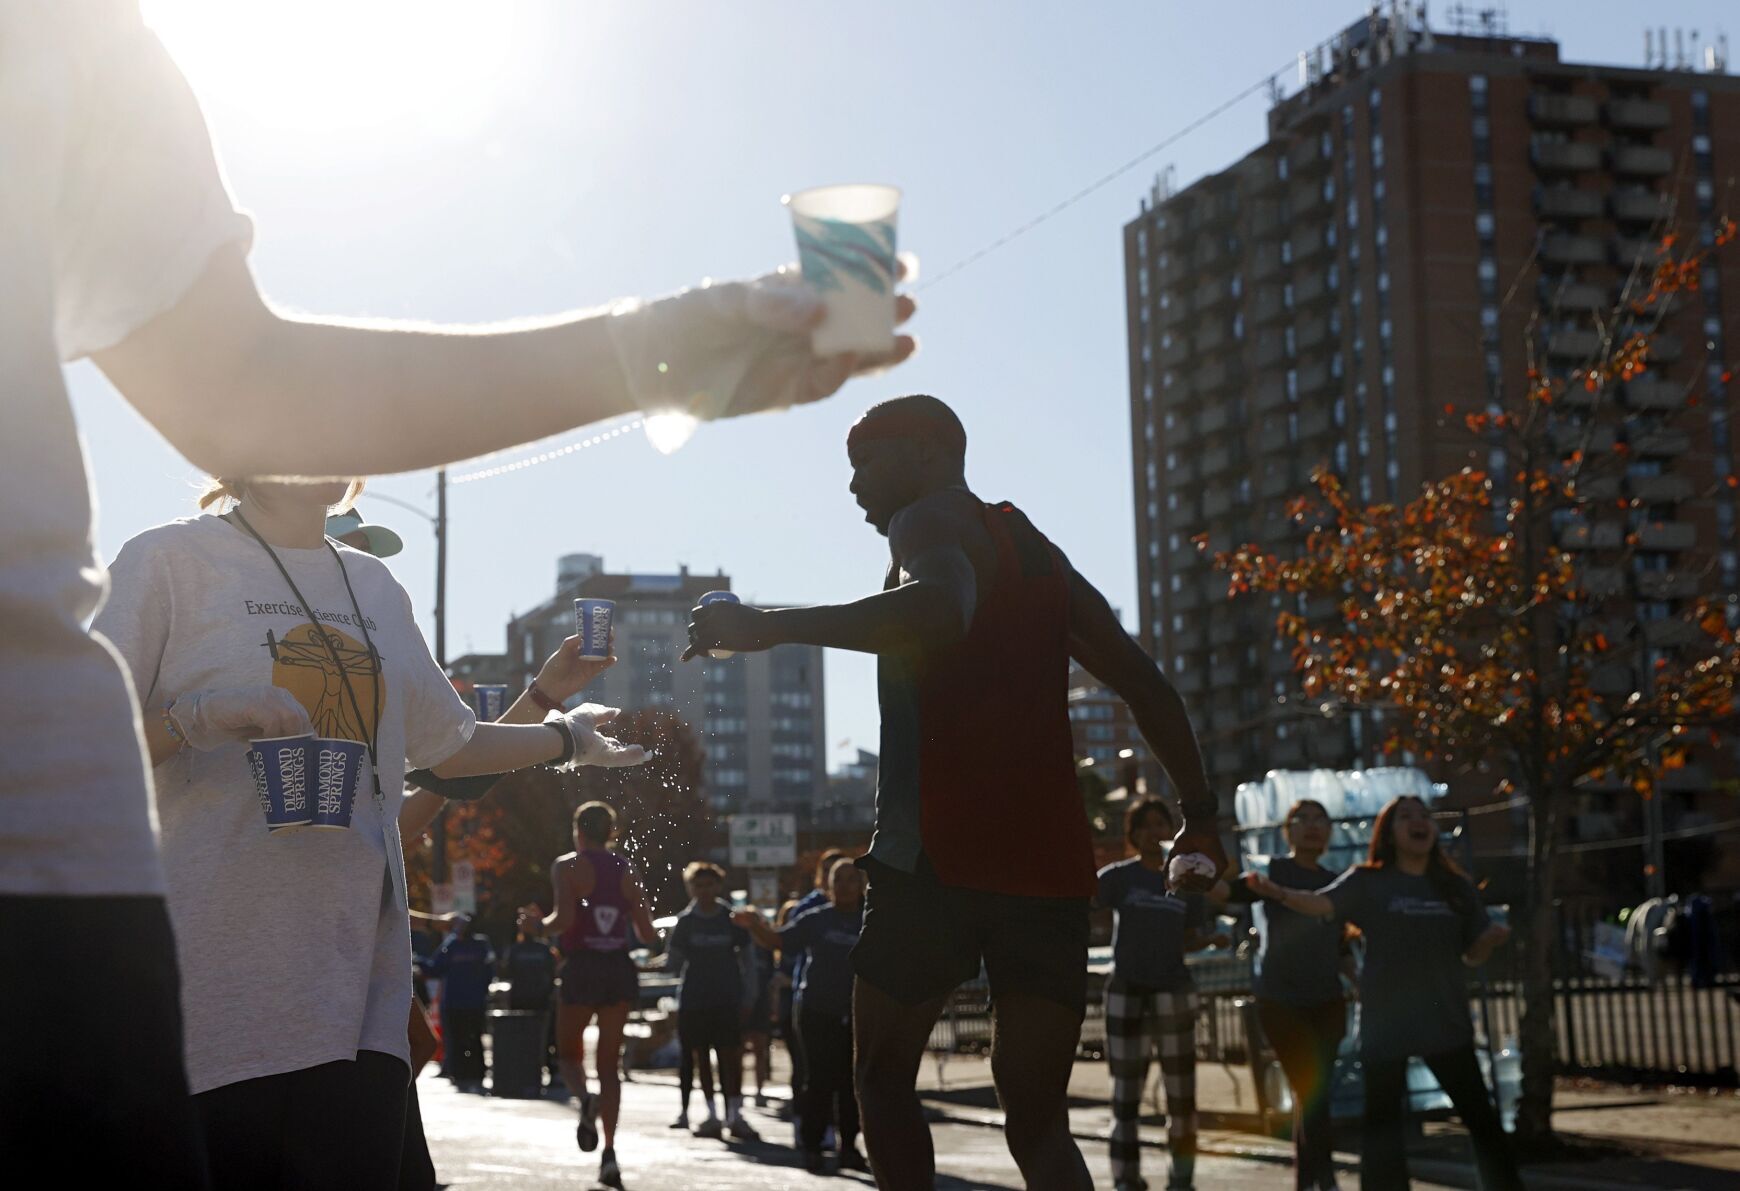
[370,728]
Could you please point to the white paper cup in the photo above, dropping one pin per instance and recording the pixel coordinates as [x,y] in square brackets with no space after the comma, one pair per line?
[719,597]
[845,239]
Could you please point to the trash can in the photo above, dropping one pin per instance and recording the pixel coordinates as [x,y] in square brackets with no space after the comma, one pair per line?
[516,1053]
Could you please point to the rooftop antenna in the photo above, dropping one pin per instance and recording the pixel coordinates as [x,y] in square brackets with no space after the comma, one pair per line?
[1679,49]
[1648,48]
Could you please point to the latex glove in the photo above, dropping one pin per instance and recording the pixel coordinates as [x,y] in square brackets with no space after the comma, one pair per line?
[592,747]
[726,349]
[211,719]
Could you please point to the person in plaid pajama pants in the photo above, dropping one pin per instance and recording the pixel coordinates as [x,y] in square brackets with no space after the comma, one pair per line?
[1150,999]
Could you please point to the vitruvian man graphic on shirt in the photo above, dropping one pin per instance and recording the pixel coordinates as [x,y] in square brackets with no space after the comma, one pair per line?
[303,664]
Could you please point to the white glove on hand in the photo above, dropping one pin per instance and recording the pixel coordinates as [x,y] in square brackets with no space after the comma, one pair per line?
[723,350]
[211,719]
[591,747]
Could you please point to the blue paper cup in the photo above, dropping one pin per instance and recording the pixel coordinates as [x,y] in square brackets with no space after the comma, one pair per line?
[592,620]
[719,597]
[283,770]
[338,766]
[490,700]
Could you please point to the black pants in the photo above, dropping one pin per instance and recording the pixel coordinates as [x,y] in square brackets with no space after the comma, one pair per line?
[464,1045]
[1305,1040]
[91,1076]
[416,1166]
[828,1093]
[336,1127]
[1383,1166]
[716,1029]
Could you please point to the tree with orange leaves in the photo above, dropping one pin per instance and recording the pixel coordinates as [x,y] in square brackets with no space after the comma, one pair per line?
[1465,616]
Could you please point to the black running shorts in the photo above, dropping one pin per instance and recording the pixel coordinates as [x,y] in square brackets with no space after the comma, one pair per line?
[599,978]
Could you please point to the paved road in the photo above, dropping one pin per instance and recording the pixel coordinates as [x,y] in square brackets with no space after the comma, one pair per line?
[484,1144]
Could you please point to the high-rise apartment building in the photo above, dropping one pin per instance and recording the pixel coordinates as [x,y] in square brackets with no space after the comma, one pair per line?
[1419,197]
[759,716]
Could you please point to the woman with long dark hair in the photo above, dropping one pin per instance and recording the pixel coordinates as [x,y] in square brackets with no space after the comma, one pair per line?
[1298,989]
[1423,925]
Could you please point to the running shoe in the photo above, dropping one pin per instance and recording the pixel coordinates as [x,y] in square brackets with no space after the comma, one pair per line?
[586,1133]
[815,1162]
[851,1159]
[609,1175]
[742,1130]
[712,1128]
[682,1122]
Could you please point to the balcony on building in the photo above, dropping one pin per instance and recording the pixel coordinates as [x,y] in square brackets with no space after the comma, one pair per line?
[1230,762]
[1214,293]
[1215,461]
[1189,682]
[1311,334]
[1328,744]
[1601,582]
[1258,174]
[1637,115]
[1651,392]
[1217,377]
[1184,559]
[1641,161]
[1277,481]
[1311,287]
[1573,343]
[1224,674]
[1579,396]
[1188,515]
[1267,305]
[1665,348]
[1690,778]
[1177,352]
[1314,422]
[1636,204]
[1307,157]
[1313,378]
[1266,262]
[1271,350]
[1561,111]
[1666,585]
[1280,529]
[1186,598]
[1579,297]
[1667,535]
[1671,633]
[1660,490]
[1215,418]
[1631,252]
[1599,535]
[1321,607]
[1567,202]
[1271,394]
[1227,630]
[1175,313]
[1308,242]
[1265,220]
[1288,752]
[1594,439]
[1179,395]
[1306,200]
[1601,488]
[1183,475]
[1182,434]
[1564,248]
[1612,678]
[1659,443]
[1565,157]
[1211,338]
[1273,436]
[1210,254]
[1217,502]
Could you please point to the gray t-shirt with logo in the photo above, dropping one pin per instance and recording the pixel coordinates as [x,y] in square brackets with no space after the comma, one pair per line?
[1151,926]
[1413,998]
[294,945]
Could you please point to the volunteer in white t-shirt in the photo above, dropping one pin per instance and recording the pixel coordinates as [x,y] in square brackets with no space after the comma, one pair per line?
[119,242]
[293,945]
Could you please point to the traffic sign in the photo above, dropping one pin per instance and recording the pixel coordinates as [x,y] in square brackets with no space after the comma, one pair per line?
[763,841]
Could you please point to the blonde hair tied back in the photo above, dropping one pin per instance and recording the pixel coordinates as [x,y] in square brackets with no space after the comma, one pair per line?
[226,494]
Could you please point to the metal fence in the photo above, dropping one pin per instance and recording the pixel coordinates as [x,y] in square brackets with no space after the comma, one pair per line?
[1669,1027]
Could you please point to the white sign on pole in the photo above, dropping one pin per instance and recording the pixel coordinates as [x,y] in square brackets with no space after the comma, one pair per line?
[465,887]
[441,898]
[763,841]
[764,888]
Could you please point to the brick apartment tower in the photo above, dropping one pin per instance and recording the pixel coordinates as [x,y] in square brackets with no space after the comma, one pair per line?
[1323,298]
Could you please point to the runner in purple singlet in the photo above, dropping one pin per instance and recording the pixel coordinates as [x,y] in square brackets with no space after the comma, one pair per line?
[599,902]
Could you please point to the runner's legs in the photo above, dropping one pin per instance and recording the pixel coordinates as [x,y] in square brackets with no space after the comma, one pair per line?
[1032,1054]
[889,1039]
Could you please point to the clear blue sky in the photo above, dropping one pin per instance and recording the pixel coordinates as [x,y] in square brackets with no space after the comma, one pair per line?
[502,160]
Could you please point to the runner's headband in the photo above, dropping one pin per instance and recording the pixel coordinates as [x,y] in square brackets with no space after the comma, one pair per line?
[883,427]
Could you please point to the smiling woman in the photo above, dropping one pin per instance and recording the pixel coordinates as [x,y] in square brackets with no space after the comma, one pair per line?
[334,67]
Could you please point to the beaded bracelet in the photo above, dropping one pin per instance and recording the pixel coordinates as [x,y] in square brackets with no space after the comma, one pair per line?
[170,726]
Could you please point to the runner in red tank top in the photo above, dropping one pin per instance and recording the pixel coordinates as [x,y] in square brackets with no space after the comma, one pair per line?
[982,853]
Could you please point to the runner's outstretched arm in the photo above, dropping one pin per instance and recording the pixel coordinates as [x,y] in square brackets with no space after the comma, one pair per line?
[1098,641]
[931,610]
